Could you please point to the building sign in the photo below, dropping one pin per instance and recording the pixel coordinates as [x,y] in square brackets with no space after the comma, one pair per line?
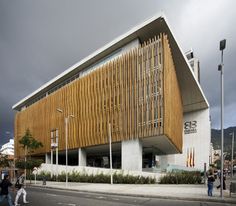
[54,139]
[190,127]
[54,145]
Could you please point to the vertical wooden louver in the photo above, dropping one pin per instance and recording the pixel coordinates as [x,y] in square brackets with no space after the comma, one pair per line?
[129,92]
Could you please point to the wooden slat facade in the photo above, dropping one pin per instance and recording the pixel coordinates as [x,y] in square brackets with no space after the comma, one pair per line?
[137,93]
[173,110]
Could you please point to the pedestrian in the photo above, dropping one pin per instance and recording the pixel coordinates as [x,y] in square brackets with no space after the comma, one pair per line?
[20,189]
[224,178]
[210,182]
[5,192]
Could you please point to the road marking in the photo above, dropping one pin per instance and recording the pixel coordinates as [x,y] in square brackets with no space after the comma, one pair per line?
[101,197]
[54,195]
[115,199]
[70,204]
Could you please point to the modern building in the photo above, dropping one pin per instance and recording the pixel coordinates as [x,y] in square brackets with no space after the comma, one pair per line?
[194,63]
[196,137]
[142,85]
[8,148]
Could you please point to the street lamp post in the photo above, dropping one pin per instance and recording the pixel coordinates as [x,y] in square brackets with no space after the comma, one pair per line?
[66,131]
[57,153]
[110,149]
[66,137]
[25,166]
[220,68]
[51,152]
[232,155]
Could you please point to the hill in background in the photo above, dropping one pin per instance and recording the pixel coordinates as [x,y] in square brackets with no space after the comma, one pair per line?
[216,139]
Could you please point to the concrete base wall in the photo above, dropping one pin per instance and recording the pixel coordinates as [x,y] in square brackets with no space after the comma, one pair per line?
[131,155]
[58,169]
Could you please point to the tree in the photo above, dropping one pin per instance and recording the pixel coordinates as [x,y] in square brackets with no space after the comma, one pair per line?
[35,145]
[218,164]
[4,161]
[30,164]
[29,144]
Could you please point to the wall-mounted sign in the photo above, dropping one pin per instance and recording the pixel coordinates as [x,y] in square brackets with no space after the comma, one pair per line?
[54,139]
[190,127]
[54,145]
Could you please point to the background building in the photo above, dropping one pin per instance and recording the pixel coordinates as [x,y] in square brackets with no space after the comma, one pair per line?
[142,85]
[7,154]
[8,148]
[211,154]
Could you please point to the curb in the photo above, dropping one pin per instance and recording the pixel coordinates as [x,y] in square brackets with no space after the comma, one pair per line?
[218,200]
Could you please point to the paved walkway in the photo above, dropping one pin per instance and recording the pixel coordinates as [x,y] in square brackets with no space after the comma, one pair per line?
[184,192]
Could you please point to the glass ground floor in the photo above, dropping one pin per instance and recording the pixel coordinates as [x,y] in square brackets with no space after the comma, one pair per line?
[99,156]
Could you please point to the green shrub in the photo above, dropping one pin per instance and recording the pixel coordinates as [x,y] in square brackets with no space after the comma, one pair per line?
[118,178]
[61,177]
[43,175]
[29,164]
[100,178]
[181,177]
[130,179]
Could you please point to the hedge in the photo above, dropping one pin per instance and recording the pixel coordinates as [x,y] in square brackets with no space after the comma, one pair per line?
[183,177]
[118,178]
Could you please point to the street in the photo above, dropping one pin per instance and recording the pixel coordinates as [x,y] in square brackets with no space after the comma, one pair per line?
[52,197]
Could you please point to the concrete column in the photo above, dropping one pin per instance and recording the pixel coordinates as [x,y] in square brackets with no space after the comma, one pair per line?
[82,157]
[47,158]
[131,155]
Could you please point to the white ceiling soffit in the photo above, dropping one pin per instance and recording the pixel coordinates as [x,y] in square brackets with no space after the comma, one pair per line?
[192,95]
[161,142]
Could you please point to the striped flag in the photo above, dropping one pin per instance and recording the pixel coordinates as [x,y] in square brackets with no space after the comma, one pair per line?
[193,157]
[190,157]
[187,159]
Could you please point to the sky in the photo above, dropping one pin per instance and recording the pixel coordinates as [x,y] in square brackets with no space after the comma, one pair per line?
[41,39]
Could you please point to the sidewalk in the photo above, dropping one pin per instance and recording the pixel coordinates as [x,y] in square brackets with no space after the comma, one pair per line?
[181,192]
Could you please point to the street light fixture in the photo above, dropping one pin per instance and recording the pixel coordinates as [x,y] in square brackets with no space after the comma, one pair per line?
[220,68]
[66,137]
[60,110]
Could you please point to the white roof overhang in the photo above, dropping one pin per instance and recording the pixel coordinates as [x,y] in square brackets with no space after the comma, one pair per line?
[192,94]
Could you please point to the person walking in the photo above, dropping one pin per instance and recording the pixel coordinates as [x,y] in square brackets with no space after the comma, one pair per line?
[5,184]
[224,178]
[210,183]
[20,186]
